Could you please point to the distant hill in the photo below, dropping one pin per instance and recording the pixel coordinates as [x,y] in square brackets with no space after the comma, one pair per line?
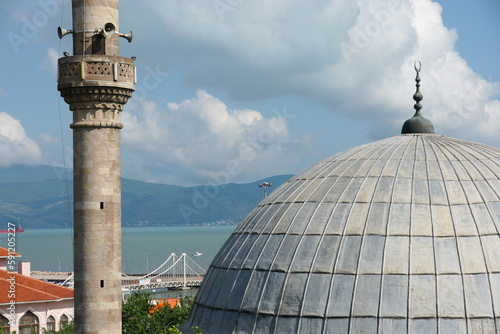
[39,197]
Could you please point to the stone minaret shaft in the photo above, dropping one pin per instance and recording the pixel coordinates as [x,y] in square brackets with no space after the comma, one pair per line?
[96,83]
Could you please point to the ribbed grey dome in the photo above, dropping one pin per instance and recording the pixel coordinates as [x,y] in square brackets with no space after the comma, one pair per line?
[397,236]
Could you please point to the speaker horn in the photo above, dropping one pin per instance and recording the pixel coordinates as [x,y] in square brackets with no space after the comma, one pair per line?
[108,30]
[128,36]
[61,32]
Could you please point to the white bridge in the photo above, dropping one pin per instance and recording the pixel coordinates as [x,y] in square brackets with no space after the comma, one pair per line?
[176,272]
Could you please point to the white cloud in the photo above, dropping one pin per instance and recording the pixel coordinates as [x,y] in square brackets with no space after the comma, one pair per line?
[355,56]
[50,62]
[201,140]
[15,146]
[47,139]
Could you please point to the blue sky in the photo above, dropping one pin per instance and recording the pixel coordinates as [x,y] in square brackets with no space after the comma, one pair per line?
[237,90]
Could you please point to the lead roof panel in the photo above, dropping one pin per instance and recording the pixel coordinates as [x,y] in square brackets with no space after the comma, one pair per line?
[401,234]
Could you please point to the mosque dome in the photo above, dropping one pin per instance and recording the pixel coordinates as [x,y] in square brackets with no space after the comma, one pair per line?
[397,236]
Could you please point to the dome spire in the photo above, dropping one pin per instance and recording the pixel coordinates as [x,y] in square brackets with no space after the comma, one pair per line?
[417,96]
[418,123]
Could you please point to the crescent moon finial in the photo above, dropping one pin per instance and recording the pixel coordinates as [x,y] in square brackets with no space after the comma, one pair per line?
[417,65]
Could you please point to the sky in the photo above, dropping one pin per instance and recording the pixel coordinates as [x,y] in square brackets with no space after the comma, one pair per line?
[238,90]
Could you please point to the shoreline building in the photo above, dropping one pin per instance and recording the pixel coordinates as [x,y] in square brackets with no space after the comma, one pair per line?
[96,82]
[28,303]
[396,236]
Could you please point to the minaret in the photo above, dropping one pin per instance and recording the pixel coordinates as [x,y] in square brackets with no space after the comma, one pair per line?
[96,83]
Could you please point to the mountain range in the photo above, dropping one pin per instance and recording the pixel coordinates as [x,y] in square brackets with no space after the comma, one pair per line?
[41,197]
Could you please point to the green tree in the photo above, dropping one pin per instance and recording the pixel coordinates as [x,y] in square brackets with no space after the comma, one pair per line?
[173,316]
[138,315]
[68,329]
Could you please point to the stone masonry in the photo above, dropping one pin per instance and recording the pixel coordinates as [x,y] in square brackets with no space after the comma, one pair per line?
[96,83]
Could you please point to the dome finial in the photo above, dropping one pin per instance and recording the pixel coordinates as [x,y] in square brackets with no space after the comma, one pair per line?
[417,124]
[417,96]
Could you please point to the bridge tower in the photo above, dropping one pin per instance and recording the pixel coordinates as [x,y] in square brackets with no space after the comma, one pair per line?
[96,83]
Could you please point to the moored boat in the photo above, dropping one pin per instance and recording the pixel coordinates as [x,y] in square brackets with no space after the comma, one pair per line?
[12,230]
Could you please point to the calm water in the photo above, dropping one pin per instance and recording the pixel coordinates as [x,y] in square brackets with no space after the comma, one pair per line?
[142,248]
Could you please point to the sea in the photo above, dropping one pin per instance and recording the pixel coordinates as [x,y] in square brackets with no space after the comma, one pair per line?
[143,248]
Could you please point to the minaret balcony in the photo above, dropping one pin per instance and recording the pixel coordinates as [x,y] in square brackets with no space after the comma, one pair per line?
[96,71]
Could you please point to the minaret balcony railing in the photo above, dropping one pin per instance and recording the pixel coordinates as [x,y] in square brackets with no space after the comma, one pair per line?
[96,71]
